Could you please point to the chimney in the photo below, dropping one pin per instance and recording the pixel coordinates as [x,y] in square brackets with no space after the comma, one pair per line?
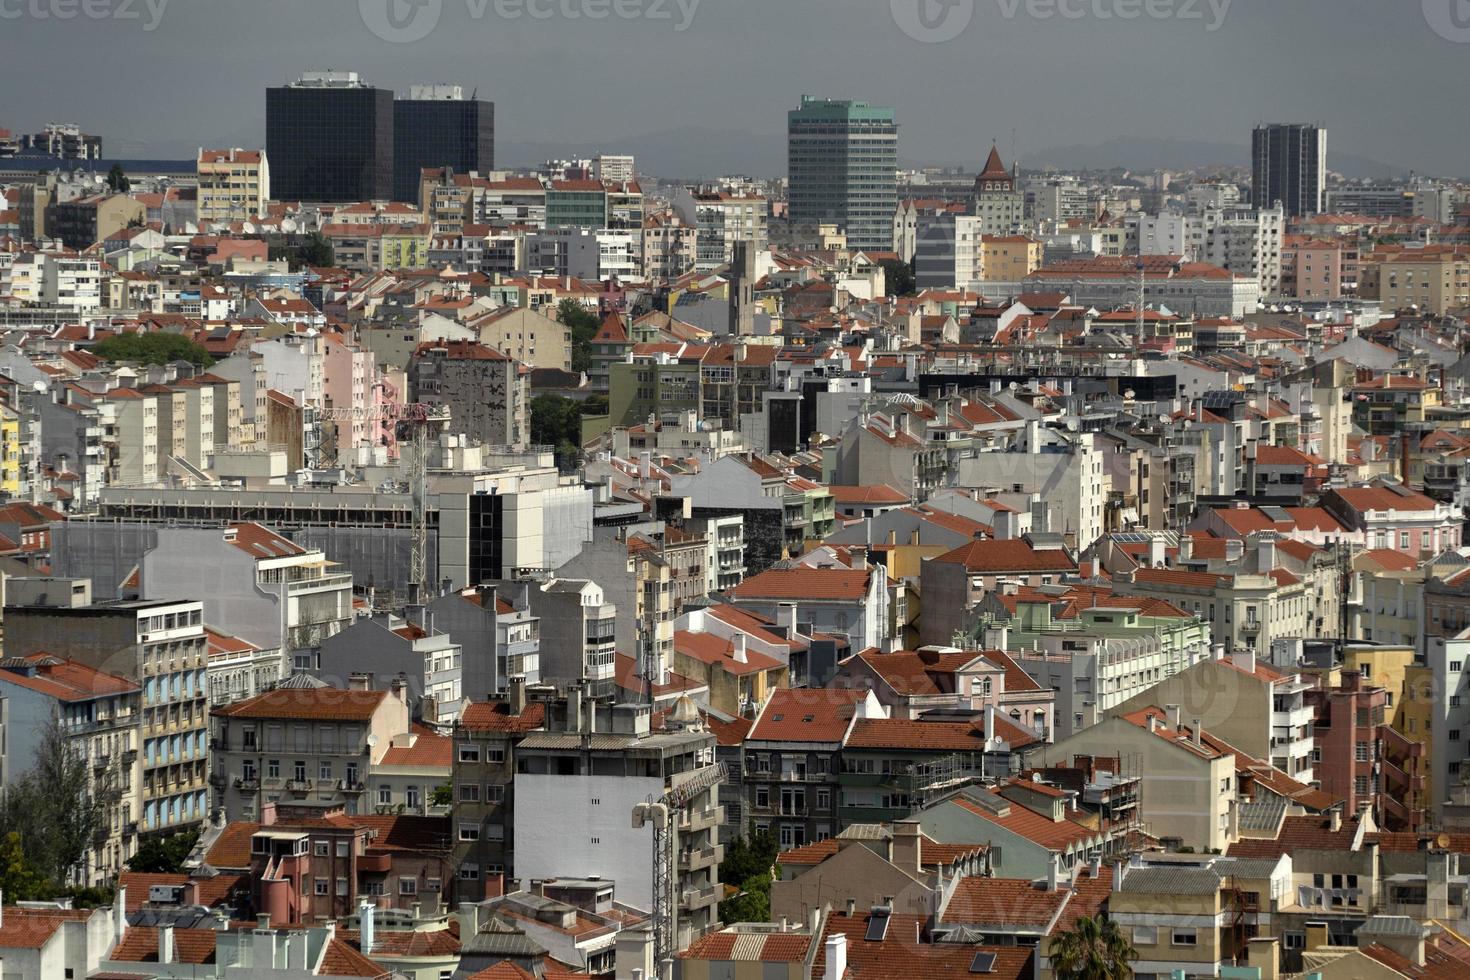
[262,922]
[119,911]
[786,619]
[737,653]
[517,695]
[166,943]
[851,907]
[1234,549]
[1265,555]
[365,913]
[1264,953]
[836,956]
[469,919]
[1186,547]
[574,709]
[1172,712]
[1157,553]
[1054,872]
[1334,820]
[360,682]
[989,725]
[1195,733]
[1245,660]
[905,851]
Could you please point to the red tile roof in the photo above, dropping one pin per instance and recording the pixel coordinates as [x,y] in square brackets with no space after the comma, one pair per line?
[806,715]
[1055,835]
[22,928]
[495,716]
[308,704]
[899,956]
[67,680]
[810,584]
[1003,901]
[745,947]
[1014,555]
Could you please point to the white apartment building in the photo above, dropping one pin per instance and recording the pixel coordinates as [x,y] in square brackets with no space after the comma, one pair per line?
[135,433]
[1064,469]
[72,283]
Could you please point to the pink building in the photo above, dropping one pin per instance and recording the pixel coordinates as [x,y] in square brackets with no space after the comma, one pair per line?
[1346,735]
[350,382]
[1312,268]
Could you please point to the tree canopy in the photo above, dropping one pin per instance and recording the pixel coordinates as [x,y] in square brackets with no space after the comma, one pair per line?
[898,277]
[750,864]
[117,181]
[164,855]
[1093,949]
[584,326]
[152,348]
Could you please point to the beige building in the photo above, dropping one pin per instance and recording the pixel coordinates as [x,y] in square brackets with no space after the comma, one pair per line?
[1188,787]
[234,185]
[306,744]
[1009,258]
[528,336]
[1436,279]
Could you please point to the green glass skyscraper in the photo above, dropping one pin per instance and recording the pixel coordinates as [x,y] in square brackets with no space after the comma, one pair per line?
[842,160]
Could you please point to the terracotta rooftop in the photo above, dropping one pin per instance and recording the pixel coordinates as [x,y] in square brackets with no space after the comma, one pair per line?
[308,704]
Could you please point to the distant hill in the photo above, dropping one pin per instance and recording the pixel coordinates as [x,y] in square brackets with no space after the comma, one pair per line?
[1162,154]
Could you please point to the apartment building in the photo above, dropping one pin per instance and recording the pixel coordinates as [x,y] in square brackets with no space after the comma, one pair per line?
[605,771]
[159,646]
[484,390]
[484,765]
[390,649]
[1430,279]
[100,716]
[307,744]
[234,185]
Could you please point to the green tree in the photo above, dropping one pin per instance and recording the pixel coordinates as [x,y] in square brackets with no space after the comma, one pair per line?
[164,855]
[557,421]
[443,795]
[584,326]
[317,251]
[751,904]
[152,348]
[749,855]
[18,879]
[594,406]
[73,805]
[1093,949]
[898,277]
[117,181]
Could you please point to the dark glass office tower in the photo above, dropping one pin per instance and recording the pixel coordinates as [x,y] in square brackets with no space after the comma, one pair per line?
[329,138]
[436,126]
[843,169]
[1289,164]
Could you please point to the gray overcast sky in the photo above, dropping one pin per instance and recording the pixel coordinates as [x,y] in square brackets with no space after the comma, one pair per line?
[1387,86]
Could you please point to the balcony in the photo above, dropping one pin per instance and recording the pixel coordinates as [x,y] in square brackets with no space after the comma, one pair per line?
[698,898]
[244,785]
[699,858]
[697,820]
[298,786]
[350,786]
[375,863]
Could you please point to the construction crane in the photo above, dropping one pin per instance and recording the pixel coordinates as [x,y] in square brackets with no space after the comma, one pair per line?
[663,814]
[413,423]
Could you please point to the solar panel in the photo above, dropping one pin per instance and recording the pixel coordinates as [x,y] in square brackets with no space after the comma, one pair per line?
[983,963]
[877,927]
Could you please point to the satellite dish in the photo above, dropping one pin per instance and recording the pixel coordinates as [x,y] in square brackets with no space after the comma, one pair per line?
[372,740]
[38,386]
[1014,386]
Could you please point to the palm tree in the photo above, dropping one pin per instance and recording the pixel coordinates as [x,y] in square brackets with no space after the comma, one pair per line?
[1093,949]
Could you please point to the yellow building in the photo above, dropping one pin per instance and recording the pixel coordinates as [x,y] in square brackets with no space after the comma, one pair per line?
[234,185]
[1009,258]
[9,451]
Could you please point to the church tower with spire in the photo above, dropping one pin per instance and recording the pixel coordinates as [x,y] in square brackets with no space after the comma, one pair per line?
[1000,207]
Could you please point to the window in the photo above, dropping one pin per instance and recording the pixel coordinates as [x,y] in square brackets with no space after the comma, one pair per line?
[411,796]
[1294,940]
[469,793]
[1362,752]
[273,768]
[469,831]
[1145,935]
[385,795]
[300,770]
[469,753]
[1455,666]
[408,886]
[1454,734]
[322,887]
[469,872]
[342,846]
[324,771]
[495,793]
[341,886]
[1184,937]
[495,756]
[322,849]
